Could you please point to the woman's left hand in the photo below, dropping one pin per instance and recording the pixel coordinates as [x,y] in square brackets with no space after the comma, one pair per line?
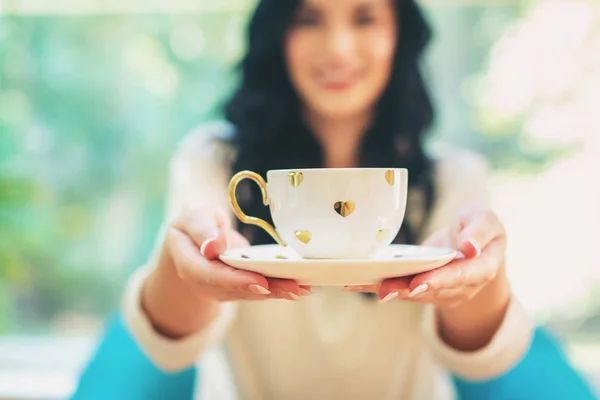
[480,238]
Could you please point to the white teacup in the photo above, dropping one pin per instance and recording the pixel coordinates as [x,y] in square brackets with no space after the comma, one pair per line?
[349,213]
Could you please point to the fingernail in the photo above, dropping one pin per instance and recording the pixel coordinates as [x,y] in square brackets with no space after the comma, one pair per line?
[390,296]
[294,296]
[257,289]
[304,292]
[418,290]
[206,243]
[475,247]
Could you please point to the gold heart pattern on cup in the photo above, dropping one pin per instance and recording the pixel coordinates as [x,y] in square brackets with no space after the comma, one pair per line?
[344,208]
[295,178]
[303,236]
[390,177]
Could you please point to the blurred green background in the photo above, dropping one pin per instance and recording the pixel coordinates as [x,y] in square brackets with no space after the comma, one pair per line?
[92,107]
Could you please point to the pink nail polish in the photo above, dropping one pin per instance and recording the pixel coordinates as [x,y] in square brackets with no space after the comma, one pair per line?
[294,296]
[477,250]
[419,290]
[256,289]
[206,243]
[390,296]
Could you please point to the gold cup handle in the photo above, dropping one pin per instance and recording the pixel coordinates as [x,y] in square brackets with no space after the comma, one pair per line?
[237,210]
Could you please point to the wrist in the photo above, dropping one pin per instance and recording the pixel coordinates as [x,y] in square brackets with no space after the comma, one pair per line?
[471,325]
[173,308]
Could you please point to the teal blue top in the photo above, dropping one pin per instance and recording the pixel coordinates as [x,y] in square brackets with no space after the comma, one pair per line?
[120,370]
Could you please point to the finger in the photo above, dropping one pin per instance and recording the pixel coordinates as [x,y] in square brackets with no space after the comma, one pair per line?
[280,288]
[362,288]
[461,272]
[394,288]
[446,295]
[200,270]
[202,224]
[212,248]
[287,289]
[477,229]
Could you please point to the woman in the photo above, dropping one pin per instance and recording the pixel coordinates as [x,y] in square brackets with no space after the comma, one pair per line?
[327,84]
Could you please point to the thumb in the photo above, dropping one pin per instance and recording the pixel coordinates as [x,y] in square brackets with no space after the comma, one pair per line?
[479,229]
[207,230]
[214,246]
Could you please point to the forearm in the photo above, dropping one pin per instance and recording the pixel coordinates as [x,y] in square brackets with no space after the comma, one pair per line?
[171,307]
[538,370]
[172,326]
[471,325]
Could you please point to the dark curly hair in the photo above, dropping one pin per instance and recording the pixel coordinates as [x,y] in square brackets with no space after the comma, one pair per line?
[271,134]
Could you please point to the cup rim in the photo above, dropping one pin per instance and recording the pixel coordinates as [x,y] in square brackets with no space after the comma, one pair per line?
[352,169]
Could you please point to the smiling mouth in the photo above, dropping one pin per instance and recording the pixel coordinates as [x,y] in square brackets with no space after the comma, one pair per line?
[337,81]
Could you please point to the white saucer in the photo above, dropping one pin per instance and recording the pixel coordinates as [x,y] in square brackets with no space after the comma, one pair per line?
[282,262]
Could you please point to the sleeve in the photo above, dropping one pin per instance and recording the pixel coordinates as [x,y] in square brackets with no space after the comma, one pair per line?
[198,174]
[119,370]
[544,372]
[508,346]
[462,179]
[170,355]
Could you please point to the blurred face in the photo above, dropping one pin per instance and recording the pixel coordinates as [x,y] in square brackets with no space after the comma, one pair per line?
[340,54]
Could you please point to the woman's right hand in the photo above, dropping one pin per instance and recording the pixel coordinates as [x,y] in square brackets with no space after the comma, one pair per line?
[182,294]
[194,242]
